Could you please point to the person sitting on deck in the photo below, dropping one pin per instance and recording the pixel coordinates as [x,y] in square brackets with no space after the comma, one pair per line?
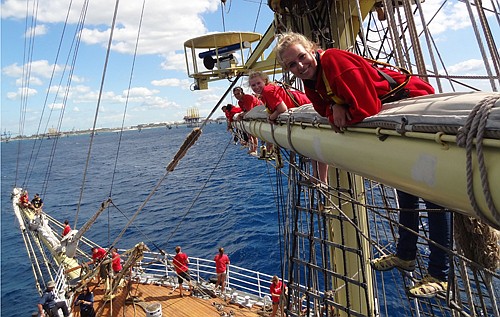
[221,263]
[346,88]
[180,263]
[67,228]
[37,203]
[49,303]
[24,200]
[86,302]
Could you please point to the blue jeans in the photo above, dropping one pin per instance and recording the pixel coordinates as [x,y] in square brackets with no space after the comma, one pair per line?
[60,305]
[439,232]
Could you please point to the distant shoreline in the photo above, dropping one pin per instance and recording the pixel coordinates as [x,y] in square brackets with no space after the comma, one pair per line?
[139,127]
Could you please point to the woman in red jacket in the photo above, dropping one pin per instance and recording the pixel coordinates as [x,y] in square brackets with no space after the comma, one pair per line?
[344,87]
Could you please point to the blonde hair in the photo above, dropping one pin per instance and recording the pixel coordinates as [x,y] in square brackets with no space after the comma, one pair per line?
[288,39]
[260,74]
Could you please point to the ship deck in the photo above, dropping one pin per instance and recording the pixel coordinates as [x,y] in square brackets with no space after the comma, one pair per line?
[172,304]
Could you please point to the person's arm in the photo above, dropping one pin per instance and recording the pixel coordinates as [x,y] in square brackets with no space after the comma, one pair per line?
[41,312]
[341,116]
[280,108]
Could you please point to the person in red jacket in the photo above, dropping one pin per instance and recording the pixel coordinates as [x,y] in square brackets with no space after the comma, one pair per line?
[98,255]
[221,263]
[67,228]
[180,263]
[247,102]
[24,200]
[276,289]
[344,87]
[116,261]
[278,100]
[230,111]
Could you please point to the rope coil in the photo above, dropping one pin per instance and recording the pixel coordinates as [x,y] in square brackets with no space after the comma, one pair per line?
[474,128]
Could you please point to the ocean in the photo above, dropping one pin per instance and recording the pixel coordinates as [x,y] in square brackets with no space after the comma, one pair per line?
[217,196]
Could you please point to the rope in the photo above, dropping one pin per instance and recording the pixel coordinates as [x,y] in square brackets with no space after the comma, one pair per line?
[475,127]
[289,134]
[199,193]
[188,142]
[127,97]
[92,135]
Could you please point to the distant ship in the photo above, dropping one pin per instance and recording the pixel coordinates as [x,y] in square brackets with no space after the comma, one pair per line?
[192,118]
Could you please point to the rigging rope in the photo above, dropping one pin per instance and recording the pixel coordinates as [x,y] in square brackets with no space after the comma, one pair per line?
[127,98]
[475,127]
[180,154]
[87,162]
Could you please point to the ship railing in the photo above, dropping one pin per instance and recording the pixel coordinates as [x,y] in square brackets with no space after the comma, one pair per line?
[61,288]
[155,267]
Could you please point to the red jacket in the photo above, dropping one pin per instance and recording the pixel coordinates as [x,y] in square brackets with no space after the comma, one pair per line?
[354,80]
[230,114]
[248,102]
[273,95]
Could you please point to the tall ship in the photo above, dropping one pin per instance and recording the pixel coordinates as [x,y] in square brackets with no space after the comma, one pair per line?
[192,117]
[443,148]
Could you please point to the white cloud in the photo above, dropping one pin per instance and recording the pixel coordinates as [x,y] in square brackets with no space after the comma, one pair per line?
[40,29]
[139,92]
[167,26]
[157,103]
[21,92]
[77,79]
[171,82]
[34,81]
[452,16]
[56,106]
[471,66]
[40,68]
[174,61]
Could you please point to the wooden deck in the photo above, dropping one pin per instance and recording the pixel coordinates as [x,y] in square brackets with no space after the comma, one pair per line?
[172,304]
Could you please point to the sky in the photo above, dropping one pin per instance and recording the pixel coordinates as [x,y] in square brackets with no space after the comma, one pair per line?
[160,89]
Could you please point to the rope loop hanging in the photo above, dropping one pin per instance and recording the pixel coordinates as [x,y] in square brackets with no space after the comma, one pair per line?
[474,128]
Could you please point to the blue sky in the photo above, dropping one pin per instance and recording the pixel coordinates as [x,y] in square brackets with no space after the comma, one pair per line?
[160,88]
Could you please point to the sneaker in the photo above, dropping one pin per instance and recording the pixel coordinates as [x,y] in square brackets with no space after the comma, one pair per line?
[390,261]
[428,287]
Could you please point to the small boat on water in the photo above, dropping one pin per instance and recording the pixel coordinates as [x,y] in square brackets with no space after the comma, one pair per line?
[444,148]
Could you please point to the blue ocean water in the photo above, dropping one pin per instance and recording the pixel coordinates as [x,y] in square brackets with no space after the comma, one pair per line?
[217,196]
